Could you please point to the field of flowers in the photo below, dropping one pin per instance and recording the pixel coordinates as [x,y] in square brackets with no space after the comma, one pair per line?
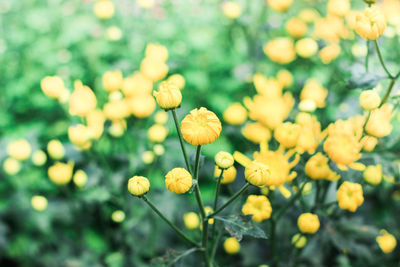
[199,133]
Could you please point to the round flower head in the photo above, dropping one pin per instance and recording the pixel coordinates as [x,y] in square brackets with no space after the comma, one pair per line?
[138,185]
[308,223]
[178,80]
[153,68]
[157,133]
[80,135]
[157,52]
[80,178]
[287,134]
[56,149]
[61,173]
[39,158]
[39,203]
[285,78]
[104,9]
[329,53]
[279,5]
[231,245]
[178,180]
[296,27]
[112,80]
[350,196]
[370,24]
[258,206]
[369,143]
[256,132]
[299,240]
[191,220]
[118,216]
[317,167]
[201,127]
[228,176]
[280,50]
[386,241]
[231,9]
[379,122]
[224,160]
[257,173]
[142,106]
[168,96]
[19,149]
[235,114]
[369,100]
[52,86]
[82,100]
[373,174]
[11,166]
[306,47]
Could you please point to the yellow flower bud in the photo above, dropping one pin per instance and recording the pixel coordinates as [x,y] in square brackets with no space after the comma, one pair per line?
[142,106]
[338,7]
[306,47]
[52,86]
[235,114]
[350,196]
[228,176]
[56,149]
[279,5]
[379,122]
[257,206]
[138,185]
[317,167]
[61,173]
[287,134]
[148,157]
[19,149]
[313,90]
[256,132]
[39,158]
[113,33]
[308,223]
[201,127]
[104,9]
[285,78]
[11,166]
[369,100]
[157,133]
[299,240]
[161,117]
[153,69]
[369,143]
[309,15]
[280,50]
[296,27]
[257,173]
[307,105]
[137,85]
[82,100]
[373,174]
[329,53]
[178,80]
[159,149]
[116,110]
[231,9]
[39,203]
[208,210]
[386,241]
[95,122]
[112,80]
[156,52]
[147,4]
[118,216]
[191,220]
[80,178]
[178,181]
[117,128]
[168,96]
[80,135]
[231,245]
[224,160]
[371,23]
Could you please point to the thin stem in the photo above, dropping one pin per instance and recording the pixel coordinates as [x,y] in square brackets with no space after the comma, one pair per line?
[173,226]
[236,195]
[178,130]
[272,241]
[388,91]
[367,56]
[215,246]
[378,51]
[197,188]
[290,203]
[197,163]
[216,199]
[204,244]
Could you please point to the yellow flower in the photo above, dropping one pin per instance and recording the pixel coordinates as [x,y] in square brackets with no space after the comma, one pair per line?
[307,105]
[80,136]
[279,5]
[309,15]
[11,166]
[201,127]
[313,90]
[308,223]
[56,149]
[157,133]
[138,185]
[299,240]
[142,106]
[178,80]
[208,210]
[61,173]
[329,53]
[80,178]
[330,28]
[306,47]
[228,176]
[113,33]
[117,128]
[338,7]
[256,132]
[296,27]
[52,86]
[191,220]
[386,241]
[317,168]
[231,9]
[373,174]
[153,69]
[161,117]
[104,9]
[257,173]
[271,88]
[137,85]
[369,143]
[258,206]
[369,100]
[287,134]
[82,100]
[116,110]
[231,245]
[168,96]
[118,216]
[156,52]
[178,181]
[39,158]
[39,203]
[19,149]
[235,114]
[350,196]
[371,23]
[95,123]
[158,149]
[148,157]
[285,78]
[224,160]
[147,4]
[379,124]
[280,50]
[112,80]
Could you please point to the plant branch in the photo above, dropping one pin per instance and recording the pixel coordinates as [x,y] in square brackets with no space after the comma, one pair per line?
[236,195]
[178,130]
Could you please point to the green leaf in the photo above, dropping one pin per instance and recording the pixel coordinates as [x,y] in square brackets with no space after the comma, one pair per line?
[239,225]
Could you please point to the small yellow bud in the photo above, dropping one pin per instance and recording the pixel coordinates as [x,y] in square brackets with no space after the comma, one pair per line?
[191,220]
[168,96]
[369,100]
[224,160]
[296,27]
[61,173]
[138,185]
[82,100]
[231,245]
[306,47]
[287,134]
[118,216]
[285,78]
[80,178]
[142,106]
[257,173]
[117,128]
[235,114]
[80,135]
[112,80]
[19,149]
[371,23]
[113,33]
[373,174]
[308,223]
[39,203]
[231,9]
[157,133]
[387,242]
[350,196]
[228,176]
[39,158]
[307,105]
[104,9]
[208,210]
[159,149]
[299,240]
[178,80]
[56,149]
[11,166]
[148,157]
[178,180]
[161,117]
[52,86]
[369,143]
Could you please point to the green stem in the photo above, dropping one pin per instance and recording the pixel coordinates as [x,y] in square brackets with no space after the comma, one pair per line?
[378,51]
[272,241]
[367,56]
[216,199]
[178,130]
[215,246]
[388,91]
[317,193]
[290,203]
[173,226]
[196,187]
[204,244]
[236,195]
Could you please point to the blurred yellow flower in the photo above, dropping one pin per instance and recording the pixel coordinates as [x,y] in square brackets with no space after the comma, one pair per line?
[178,180]
[258,206]
[157,52]
[256,132]
[39,158]
[61,173]
[112,80]
[138,185]
[279,5]
[287,134]
[104,9]
[39,203]
[52,86]
[313,90]
[369,143]
[19,149]
[235,114]
[191,220]
[80,178]
[386,241]
[161,117]
[148,157]
[157,133]
[136,85]
[82,100]
[11,166]
[371,23]
[295,27]
[118,216]
[299,240]
[80,136]
[308,223]
[117,128]
[113,33]
[116,110]
[285,78]
[231,9]
[178,80]
[231,245]
[350,196]
[379,124]
[55,149]
[153,69]
[142,106]
[369,100]
[147,4]
[95,123]
[280,50]
[306,47]
[373,174]
[329,53]
[338,7]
